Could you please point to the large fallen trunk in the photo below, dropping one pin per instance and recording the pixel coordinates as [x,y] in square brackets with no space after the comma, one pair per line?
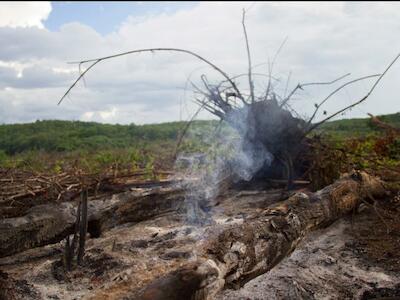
[231,256]
[50,223]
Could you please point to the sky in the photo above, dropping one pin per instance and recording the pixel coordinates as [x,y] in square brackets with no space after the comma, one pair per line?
[323,42]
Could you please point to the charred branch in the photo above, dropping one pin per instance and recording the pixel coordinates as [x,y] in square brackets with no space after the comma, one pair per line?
[83,226]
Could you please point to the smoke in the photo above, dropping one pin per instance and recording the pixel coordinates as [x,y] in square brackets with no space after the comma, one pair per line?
[229,156]
[248,157]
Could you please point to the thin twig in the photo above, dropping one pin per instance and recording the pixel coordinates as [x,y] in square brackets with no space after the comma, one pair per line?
[271,67]
[301,85]
[287,84]
[185,129]
[251,85]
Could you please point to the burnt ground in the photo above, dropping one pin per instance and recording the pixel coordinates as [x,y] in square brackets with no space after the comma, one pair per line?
[355,258]
[377,235]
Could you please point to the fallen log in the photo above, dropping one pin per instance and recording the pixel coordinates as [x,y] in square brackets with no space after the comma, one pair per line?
[51,223]
[43,224]
[232,255]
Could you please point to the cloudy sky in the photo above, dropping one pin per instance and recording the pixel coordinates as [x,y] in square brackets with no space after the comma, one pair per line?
[324,41]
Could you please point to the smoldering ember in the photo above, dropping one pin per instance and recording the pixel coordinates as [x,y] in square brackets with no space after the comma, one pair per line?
[260,202]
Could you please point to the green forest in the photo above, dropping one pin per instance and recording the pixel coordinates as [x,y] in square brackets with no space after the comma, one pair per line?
[53,145]
[64,136]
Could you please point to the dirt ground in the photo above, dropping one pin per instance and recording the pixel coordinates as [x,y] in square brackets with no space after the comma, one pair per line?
[357,257]
[377,235]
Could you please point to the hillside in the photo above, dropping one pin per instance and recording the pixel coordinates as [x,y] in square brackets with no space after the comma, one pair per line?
[64,136]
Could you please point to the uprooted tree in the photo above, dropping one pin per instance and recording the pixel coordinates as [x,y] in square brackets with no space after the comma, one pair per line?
[266,121]
[229,253]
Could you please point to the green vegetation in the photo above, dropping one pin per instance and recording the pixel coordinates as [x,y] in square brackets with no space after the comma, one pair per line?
[357,144]
[58,145]
[65,136]
[358,127]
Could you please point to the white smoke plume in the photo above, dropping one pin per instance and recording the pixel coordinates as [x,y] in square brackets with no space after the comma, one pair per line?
[229,155]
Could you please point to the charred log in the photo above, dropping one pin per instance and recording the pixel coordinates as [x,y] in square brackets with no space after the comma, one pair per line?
[49,224]
[238,253]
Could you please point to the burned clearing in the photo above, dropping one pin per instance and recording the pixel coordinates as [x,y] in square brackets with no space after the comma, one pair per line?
[151,251]
[272,209]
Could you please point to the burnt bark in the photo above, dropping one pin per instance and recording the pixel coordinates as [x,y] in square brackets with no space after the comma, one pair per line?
[83,226]
[51,223]
[232,256]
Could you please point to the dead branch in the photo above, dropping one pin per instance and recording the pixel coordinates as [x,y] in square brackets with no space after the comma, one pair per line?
[98,60]
[251,84]
[271,67]
[317,106]
[186,128]
[68,255]
[302,85]
[77,223]
[83,226]
[359,101]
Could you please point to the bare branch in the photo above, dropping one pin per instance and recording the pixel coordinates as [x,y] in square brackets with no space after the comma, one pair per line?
[290,108]
[337,90]
[269,80]
[185,129]
[188,80]
[359,101]
[251,85]
[271,67]
[210,108]
[77,80]
[287,84]
[253,74]
[212,97]
[97,60]
[301,85]
[83,78]
[326,82]
[278,51]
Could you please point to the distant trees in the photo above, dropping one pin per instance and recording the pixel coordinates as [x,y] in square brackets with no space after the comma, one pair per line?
[61,136]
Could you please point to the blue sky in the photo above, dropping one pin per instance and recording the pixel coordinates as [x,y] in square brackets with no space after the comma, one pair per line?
[325,41]
[106,16]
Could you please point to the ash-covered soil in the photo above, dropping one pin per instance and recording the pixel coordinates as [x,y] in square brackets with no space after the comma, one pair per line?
[354,258]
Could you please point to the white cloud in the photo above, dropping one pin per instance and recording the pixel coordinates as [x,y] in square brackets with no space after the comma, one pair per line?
[24,13]
[324,42]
